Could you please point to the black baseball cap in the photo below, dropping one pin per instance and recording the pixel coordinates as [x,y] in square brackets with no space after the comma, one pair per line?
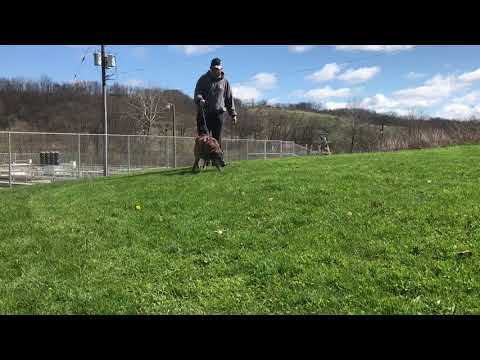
[216,63]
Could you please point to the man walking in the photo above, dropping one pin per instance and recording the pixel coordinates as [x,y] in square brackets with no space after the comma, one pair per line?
[213,95]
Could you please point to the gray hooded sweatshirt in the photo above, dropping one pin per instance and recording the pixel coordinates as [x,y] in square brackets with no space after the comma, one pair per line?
[216,92]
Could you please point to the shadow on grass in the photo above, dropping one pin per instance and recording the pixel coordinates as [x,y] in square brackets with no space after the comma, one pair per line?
[173,172]
[183,171]
[188,171]
[177,172]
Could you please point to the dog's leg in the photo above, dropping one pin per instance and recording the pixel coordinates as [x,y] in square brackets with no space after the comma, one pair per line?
[217,164]
[195,165]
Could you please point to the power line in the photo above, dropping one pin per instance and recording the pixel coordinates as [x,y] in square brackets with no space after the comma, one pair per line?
[81,62]
[125,73]
[290,73]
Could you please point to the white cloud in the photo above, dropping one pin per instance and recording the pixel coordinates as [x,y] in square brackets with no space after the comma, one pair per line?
[469,99]
[415,103]
[402,112]
[471,76]
[374,48]
[140,52]
[325,93]
[264,80]
[252,90]
[434,89]
[379,101]
[459,111]
[134,82]
[273,101]
[328,72]
[412,75]
[359,75]
[246,93]
[197,49]
[332,105]
[300,48]
[382,104]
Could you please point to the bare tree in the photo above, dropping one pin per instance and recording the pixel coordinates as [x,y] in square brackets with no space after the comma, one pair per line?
[353,106]
[145,108]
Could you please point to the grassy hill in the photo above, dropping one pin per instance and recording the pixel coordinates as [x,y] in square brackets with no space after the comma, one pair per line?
[377,233]
[307,122]
[308,125]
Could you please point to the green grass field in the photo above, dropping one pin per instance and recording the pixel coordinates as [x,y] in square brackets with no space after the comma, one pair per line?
[378,233]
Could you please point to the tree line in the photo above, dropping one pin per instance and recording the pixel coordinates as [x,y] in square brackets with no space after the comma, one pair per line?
[45,105]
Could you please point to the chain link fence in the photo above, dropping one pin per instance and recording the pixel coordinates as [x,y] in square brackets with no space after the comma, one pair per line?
[26,157]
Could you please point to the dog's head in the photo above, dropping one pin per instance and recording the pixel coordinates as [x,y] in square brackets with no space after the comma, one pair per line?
[215,151]
[210,149]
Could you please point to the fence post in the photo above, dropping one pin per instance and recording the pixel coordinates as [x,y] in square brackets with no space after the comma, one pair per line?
[175,151]
[265,149]
[168,151]
[9,160]
[128,153]
[281,148]
[79,173]
[172,107]
[247,149]
[227,155]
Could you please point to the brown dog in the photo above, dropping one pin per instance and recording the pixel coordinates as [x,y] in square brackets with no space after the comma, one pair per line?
[207,149]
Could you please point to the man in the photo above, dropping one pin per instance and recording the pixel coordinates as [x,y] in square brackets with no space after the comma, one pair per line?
[213,95]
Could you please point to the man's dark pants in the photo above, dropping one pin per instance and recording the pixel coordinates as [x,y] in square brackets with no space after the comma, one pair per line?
[214,123]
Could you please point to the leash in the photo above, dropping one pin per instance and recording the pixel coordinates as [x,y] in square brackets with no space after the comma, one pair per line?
[204,120]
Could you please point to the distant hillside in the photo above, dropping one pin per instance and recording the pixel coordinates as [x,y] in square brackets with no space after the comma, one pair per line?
[44,105]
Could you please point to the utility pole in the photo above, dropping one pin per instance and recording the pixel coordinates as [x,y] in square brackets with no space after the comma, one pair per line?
[106,62]
[104,93]
[353,130]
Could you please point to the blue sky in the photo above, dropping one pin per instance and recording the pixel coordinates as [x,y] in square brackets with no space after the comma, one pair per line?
[431,80]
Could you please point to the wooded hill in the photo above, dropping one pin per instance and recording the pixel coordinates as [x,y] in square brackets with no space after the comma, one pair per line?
[44,105]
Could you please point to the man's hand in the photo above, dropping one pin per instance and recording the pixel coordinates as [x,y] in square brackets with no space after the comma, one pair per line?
[202,103]
[234,120]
